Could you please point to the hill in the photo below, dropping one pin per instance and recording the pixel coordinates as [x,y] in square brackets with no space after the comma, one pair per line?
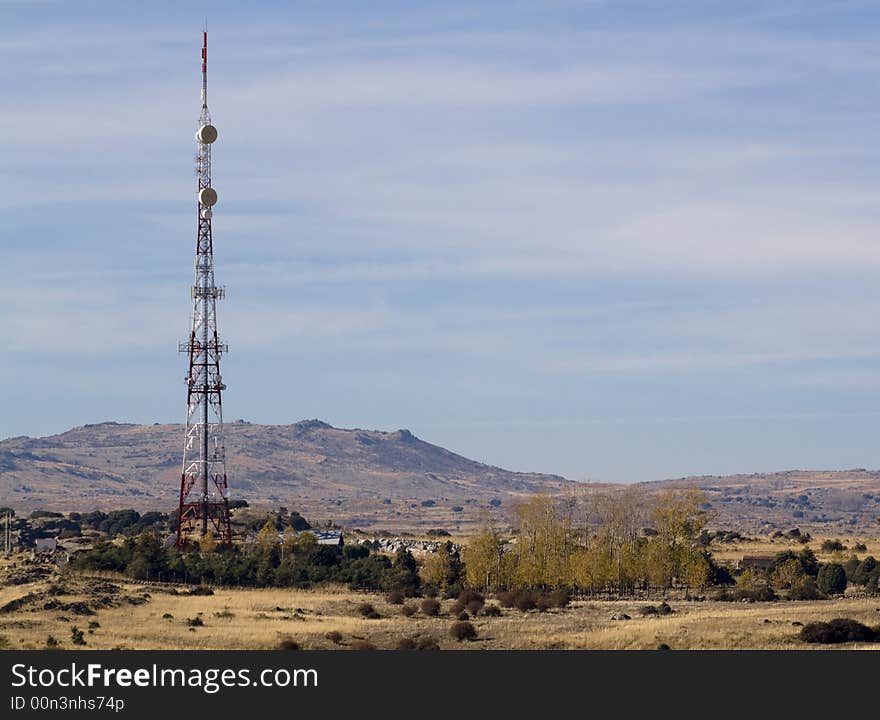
[352,476]
[822,501]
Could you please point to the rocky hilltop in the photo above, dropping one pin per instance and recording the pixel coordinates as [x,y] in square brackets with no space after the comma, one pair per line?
[352,476]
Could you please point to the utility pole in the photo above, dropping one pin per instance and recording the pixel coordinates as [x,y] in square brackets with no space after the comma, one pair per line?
[203,504]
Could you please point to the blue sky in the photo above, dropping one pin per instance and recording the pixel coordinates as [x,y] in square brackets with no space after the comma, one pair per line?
[614,240]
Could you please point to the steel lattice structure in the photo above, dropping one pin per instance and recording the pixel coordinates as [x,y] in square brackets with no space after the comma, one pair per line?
[204,506]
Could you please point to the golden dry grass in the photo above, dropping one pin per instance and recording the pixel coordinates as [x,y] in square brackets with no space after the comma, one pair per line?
[262,618]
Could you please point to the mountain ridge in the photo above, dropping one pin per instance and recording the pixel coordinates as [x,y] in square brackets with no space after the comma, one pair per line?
[350,475]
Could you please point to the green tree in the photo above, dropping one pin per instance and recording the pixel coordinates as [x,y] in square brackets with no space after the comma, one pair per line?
[831,579]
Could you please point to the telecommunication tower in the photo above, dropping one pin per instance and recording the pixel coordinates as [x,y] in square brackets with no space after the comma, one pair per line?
[204,506]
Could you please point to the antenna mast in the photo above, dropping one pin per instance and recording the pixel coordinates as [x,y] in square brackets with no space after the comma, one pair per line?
[204,505]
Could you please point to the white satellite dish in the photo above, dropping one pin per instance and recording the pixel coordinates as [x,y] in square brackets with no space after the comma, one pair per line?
[206,134]
[208,197]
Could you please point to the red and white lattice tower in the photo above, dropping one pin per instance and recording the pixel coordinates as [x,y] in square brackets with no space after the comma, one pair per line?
[204,507]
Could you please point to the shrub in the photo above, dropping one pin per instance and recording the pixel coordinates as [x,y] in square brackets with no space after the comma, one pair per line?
[839,630]
[76,636]
[409,610]
[167,616]
[363,645]
[463,615]
[368,611]
[830,546]
[334,636]
[463,630]
[525,601]
[543,603]
[831,579]
[51,642]
[427,642]
[492,611]
[469,597]
[506,598]
[430,607]
[195,622]
[560,598]
[94,624]
[225,613]
[860,547]
[406,644]
[395,597]
[806,590]
[289,644]
[474,606]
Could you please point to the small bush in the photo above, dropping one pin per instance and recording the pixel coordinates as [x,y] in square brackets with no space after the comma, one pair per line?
[492,611]
[830,546]
[334,636]
[368,611]
[463,615]
[195,622]
[51,642]
[560,598]
[430,607]
[408,610]
[362,645]
[860,547]
[839,630]
[468,597]
[94,624]
[76,636]
[167,616]
[289,644]
[406,644]
[225,613]
[474,606]
[427,642]
[463,630]
[506,598]
[395,597]
[525,601]
[543,603]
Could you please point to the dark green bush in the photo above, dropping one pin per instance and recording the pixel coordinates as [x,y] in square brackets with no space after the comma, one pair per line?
[839,630]
[831,579]
[806,590]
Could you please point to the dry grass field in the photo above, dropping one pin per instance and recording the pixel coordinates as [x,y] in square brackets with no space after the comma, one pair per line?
[262,619]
